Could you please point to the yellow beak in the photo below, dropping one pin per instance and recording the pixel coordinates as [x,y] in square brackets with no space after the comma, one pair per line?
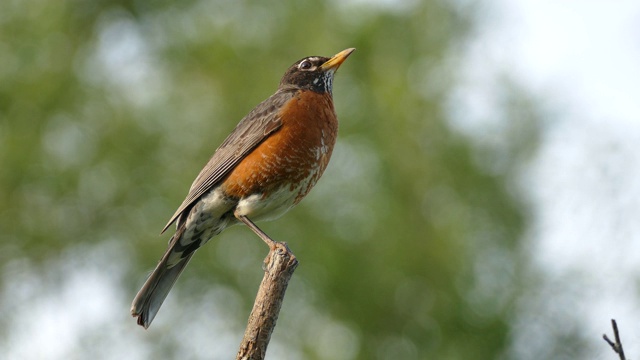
[337,59]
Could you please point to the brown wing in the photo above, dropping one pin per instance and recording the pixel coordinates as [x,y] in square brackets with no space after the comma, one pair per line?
[262,121]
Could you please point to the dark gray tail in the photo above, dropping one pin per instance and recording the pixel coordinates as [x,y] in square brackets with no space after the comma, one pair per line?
[146,304]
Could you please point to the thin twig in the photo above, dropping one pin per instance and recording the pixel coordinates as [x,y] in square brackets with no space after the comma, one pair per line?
[617,346]
[279,266]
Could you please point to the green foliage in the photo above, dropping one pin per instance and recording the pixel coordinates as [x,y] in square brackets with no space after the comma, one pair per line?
[108,110]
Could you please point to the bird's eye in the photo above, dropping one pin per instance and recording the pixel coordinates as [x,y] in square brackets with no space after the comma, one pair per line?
[305,65]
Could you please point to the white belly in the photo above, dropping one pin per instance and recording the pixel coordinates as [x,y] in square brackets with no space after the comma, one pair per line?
[259,207]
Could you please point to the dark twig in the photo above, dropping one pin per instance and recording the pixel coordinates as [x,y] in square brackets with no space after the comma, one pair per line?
[617,346]
[279,266]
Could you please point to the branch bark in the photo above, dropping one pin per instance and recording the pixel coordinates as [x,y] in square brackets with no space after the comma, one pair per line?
[617,345]
[279,266]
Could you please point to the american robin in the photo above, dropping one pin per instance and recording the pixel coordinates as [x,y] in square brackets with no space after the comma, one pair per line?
[270,161]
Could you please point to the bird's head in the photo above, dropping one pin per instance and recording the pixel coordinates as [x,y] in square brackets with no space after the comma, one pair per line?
[314,72]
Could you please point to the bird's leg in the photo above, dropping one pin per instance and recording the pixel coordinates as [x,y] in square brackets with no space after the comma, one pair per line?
[270,242]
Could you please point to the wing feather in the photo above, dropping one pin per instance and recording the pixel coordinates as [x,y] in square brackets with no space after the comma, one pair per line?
[253,129]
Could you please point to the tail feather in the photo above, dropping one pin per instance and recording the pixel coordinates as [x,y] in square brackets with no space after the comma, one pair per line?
[147,302]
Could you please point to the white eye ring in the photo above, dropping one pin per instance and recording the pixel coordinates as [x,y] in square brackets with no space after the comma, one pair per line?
[305,65]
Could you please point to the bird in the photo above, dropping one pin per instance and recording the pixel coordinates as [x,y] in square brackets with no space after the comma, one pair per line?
[268,163]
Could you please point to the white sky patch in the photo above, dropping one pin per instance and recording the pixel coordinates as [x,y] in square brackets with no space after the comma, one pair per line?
[589,49]
[124,59]
[59,309]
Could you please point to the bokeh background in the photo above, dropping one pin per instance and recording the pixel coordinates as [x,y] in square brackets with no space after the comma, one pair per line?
[482,201]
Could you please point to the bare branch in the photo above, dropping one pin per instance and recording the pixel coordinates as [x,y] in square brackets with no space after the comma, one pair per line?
[279,266]
[617,346]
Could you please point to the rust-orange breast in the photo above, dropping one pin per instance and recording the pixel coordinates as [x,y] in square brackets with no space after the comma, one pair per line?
[296,155]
